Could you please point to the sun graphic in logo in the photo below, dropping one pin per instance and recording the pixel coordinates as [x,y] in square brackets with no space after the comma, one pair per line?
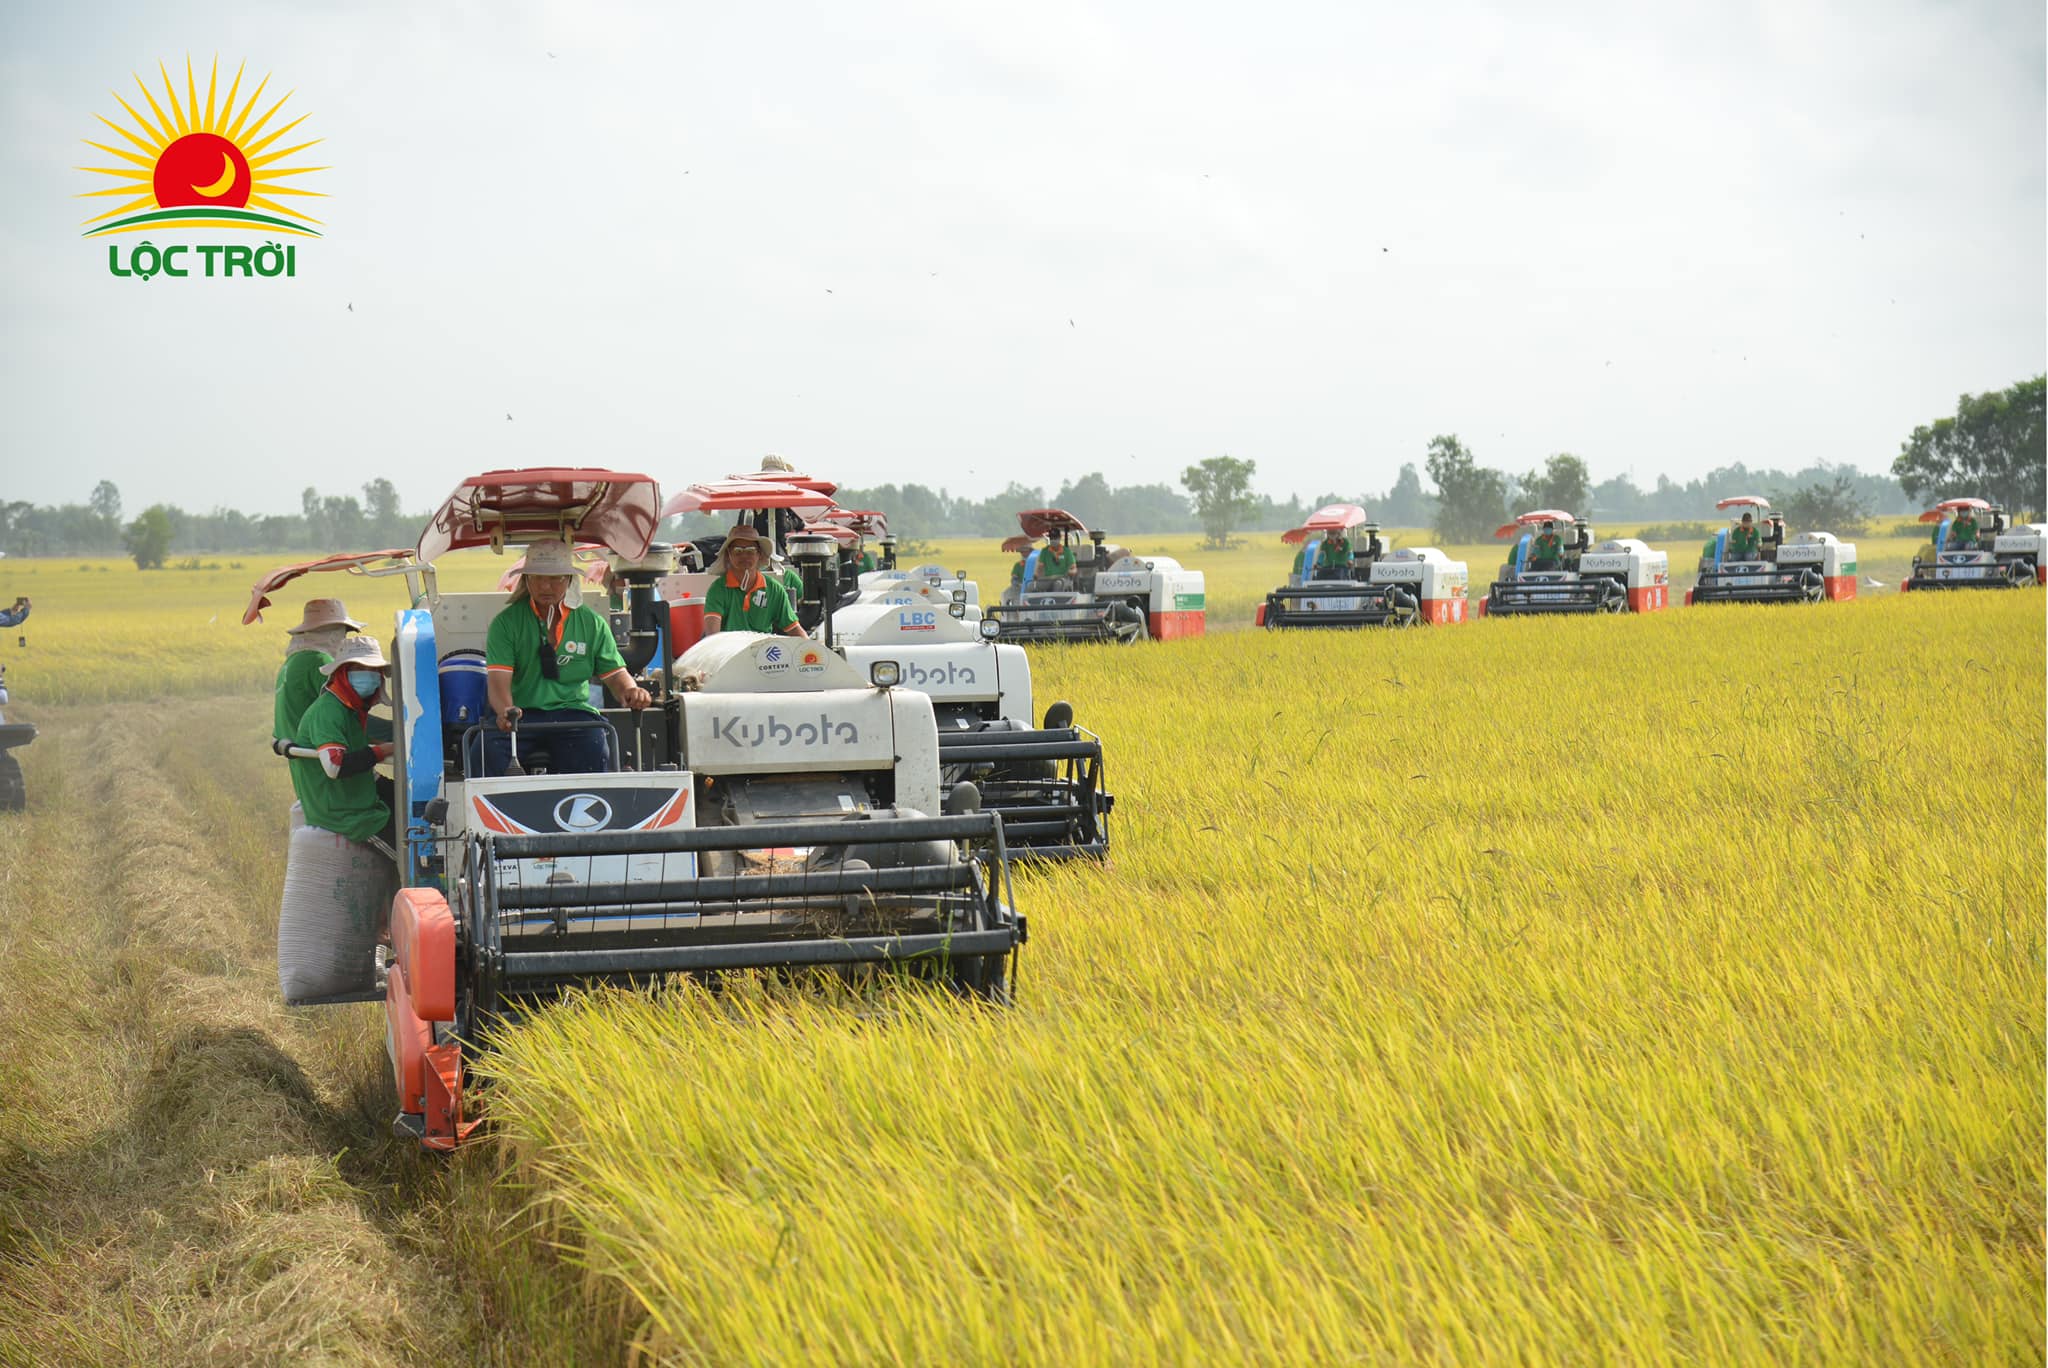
[202,166]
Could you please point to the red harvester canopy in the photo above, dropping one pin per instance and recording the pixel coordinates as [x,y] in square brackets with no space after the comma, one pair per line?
[1037,522]
[845,536]
[1541,515]
[733,496]
[1946,506]
[789,477]
[1017,544]
[1328,518]
[501,507]
[869,522]
[352,561]
[1754,501]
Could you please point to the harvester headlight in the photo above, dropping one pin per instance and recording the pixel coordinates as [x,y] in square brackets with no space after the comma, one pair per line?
[885,674]
[957,608]
[959,596]
[990,629]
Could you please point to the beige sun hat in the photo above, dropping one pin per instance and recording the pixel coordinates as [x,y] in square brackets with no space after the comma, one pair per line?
[745,534]
[357,650]
[322,614]
[549,558]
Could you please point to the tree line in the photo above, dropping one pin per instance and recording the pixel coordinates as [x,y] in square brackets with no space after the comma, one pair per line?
[1993,447]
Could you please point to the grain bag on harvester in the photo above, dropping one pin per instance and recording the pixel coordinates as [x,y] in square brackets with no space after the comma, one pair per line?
[1750,560]
[1111,595]
[1570,574]
[1345,577]
[774,807]
[1973,548]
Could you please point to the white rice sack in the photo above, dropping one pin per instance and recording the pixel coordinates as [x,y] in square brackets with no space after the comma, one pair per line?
[337,897]
[296,819]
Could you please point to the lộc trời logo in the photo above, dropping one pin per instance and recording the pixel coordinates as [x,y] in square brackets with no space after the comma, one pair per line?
[204,165]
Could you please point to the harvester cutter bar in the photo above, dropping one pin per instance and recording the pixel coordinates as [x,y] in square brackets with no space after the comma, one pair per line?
[759,835]
[1584,596]
[658,959]
[1783,588]
[751,887]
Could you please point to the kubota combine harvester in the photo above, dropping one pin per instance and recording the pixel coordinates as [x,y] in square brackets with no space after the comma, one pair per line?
[1555,568]
[776,806]
[1046,781]
[1973,548]
[1110,595]
[1364,585]
[1750,561]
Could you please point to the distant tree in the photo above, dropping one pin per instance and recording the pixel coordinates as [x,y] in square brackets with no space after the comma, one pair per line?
[1832,507]
[148,538]
[1993,448]
[1221,486]
[1472,499]
[105,502]
[1564,482]
[386,520]
[1407,504]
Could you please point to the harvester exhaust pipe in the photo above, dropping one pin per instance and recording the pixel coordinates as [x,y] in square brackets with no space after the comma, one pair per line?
[818,563]
[888,558]
[1101,558]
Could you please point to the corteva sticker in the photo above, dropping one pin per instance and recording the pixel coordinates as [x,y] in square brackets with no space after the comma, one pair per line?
[211,162]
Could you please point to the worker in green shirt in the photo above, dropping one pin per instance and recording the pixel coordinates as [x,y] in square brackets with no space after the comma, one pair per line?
[741,598]
[341,791]
[1017,575]
[312,644]
[1332,558]
[1962,533]
[1743,540]
[1057,560]
[1546,552]
[540,657]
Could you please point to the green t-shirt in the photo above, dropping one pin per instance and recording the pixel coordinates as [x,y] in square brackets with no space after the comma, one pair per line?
[1963,536]
[1055,562]
[299,682]
[868,562]
[762,608]
[1743,542]
[1017,572]
[1547,546]
[584,651]
[348,806]
[1335,555]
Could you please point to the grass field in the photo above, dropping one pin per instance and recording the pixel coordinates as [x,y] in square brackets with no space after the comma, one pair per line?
[1662,989]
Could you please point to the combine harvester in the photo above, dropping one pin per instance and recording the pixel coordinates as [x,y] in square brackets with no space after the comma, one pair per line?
[1373,588]
[1045,782]
[1811,568]
[1111,596]
[1622,575]
[1966,554]
[774,807]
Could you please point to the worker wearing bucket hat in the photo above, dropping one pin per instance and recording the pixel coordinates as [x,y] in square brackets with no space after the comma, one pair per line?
[540,658]
[742,598]
[311,643]
[341,791]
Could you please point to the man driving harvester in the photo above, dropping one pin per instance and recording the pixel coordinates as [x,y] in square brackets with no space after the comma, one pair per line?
[1546,552]
[1744,541]
[540,657]
[1056,561]
[741,598]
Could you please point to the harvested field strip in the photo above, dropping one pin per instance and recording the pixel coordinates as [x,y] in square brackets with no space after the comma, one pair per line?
[189,1171]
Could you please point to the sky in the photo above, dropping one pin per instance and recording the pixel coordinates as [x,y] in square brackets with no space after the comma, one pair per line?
[964,244]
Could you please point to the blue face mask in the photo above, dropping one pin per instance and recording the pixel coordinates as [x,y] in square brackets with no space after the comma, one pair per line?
[366,683]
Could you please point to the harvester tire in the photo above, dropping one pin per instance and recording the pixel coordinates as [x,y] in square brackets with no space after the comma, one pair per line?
[13,789]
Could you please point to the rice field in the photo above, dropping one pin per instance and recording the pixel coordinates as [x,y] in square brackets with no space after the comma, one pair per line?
[1646,990]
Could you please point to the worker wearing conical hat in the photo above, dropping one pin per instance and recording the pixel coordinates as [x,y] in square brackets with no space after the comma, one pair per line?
[541,657]
[341,791]
[311,644]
